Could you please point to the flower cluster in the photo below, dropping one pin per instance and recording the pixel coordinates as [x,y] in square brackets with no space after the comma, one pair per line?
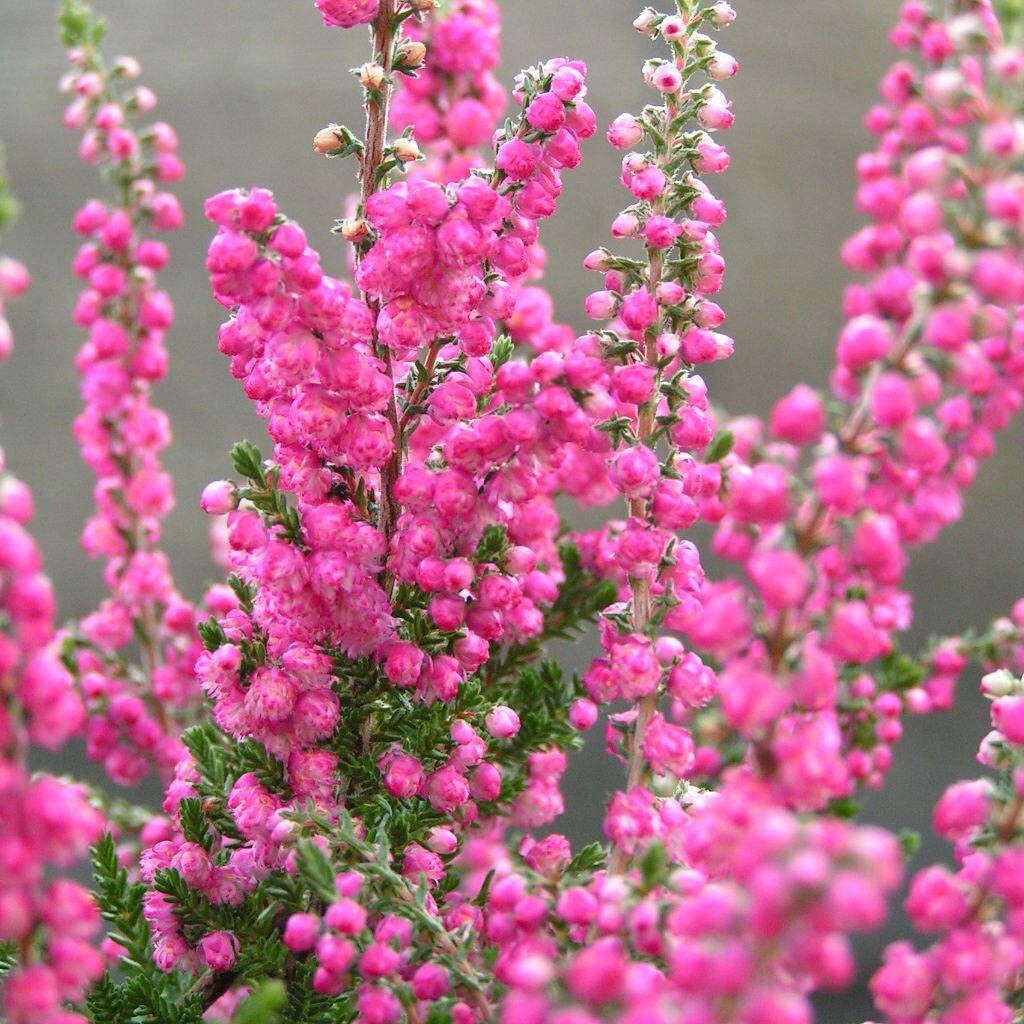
[820,505]
[972,972]
[454,100]
[362,734]
[44,823]
[132,707]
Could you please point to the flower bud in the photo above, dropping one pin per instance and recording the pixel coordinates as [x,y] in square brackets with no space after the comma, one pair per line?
[219,498]
[647,21]
[354,229]
[722,66]
[410,54]
[406,150]
[327,141]
[722,14]
[371,75]
[998,684]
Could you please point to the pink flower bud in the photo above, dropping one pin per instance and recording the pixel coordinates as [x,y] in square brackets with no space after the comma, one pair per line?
[625,131]
[218,498]
[219,950]
[301,932]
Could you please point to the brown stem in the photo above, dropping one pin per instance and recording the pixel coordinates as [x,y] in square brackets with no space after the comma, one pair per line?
[421,388]
[641,588]
[378,102]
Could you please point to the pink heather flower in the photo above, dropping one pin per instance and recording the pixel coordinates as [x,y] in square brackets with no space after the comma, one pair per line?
[799,417]
[219,950]
[1008,718]
[962,809]
[601,305]
[336,955]
[715,114]
[597,974]
[430,982]
[301,932]
[625,131]
[546,112]
[447,789]
[583,714]
[347,13]
[518,159]
[345,916]
[218,498]
[936,901]
[639,310]
[668,748]
[502,722]
[722,66]
[781,577]
[862,341]
[667,79]
[648,183]
[635,471]
[722,14]
[403,775]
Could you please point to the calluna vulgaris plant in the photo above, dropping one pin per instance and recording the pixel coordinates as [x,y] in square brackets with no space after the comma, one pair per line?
[359,734]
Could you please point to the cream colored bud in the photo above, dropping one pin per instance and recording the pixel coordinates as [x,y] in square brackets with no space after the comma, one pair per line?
[326,141]
[1000,683]
[371,76]
[406,150]
[410,54]
[354,229]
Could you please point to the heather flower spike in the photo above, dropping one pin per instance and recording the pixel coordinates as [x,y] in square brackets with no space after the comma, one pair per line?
[361,729]
[46,824]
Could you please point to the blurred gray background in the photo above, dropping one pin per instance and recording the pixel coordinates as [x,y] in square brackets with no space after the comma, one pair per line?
[247,83]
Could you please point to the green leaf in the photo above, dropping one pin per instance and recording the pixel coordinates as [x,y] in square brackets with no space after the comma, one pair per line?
[720,446]
[316,869]
[79,25]
[844,807]
[910,840]
[501,351]
[248,462]
[193,822]
[211,634]
[591,858]
[263,1005]
[654,866]
[8,957]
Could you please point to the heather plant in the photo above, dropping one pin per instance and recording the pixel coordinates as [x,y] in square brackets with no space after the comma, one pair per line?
[360,730]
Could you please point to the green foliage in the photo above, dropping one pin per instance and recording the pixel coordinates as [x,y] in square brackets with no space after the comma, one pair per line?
[316,870]
[121,904]
[263,1005]
[586,861]
[211,634]
[193,823]
[79,25]
[900,672]
[720,446]
[248,462]
[654,866]
[844,807]
[910,841]
[1011,14]
[9,206]
[501,351]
